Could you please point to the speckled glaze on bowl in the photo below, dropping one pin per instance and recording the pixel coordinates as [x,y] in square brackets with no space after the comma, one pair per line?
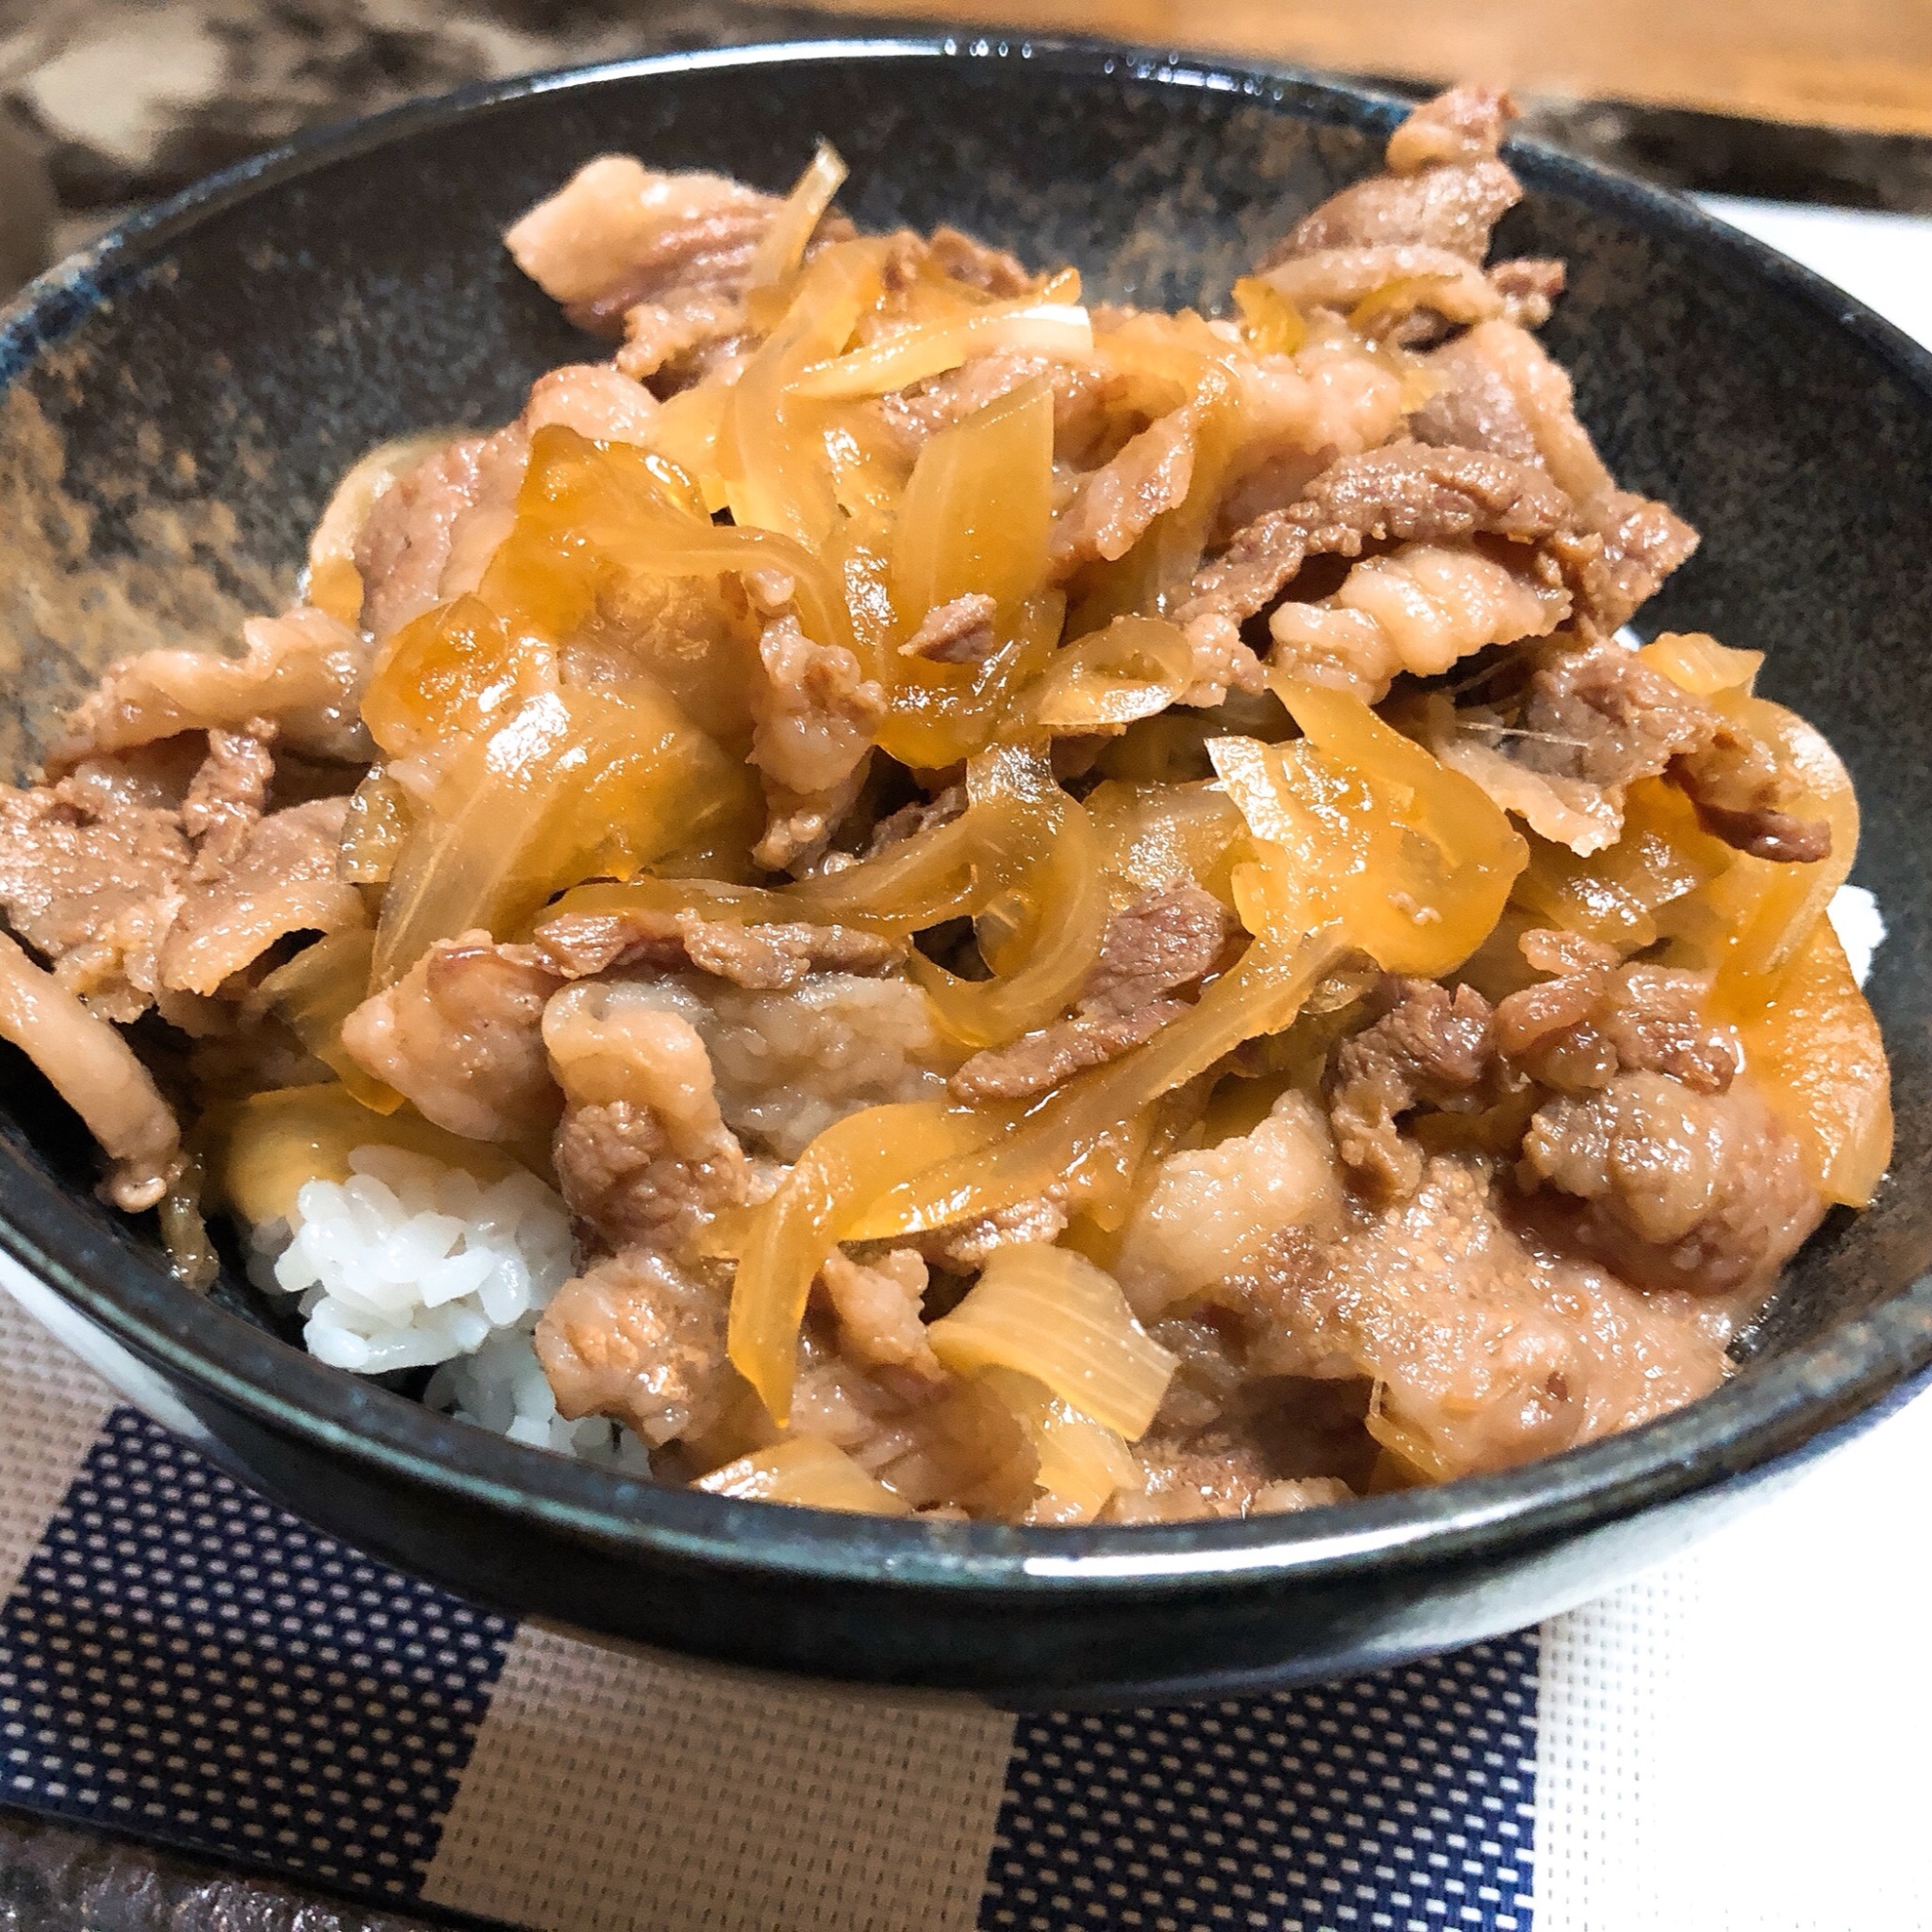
[179,400]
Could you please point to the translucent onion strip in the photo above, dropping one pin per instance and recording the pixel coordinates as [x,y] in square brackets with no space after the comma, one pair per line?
[1082,1464]
[1067,1139]
[1133,668]
[809,1473]
[260,1154]
[1051,1314]
[315,992]
[854,1161]
[1028,326]
[784,245]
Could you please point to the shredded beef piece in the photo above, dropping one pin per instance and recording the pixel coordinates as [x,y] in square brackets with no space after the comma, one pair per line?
[1598,715]
[303,671]
[282,880]
[227,794]
[1500,392]
[1643,542]
[576,946]
[1214,1475]
[618,234]
[1528,286]
[817,712]
[1681,1189]
[1465,124]
[95,1071]
[1596,1018]
[1212,1212]
[1407,493]
[1159,943]
[642,1152]
[1432,1046]
[1487,1348]
[460,1035]
[1080,396]
[965,1245]
[1148,950]
[1765,833]
[1038,1061]
[1452,206]
[1419,607]
[879,1310]
[431,534]
[1115,504]
[1446,284]
[960,632]
[922,815]
[635,1338]
[789,1064]
[92,873]
[980,267]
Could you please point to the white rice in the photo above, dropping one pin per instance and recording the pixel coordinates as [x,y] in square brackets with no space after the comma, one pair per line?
[414,1263]
[1859,926]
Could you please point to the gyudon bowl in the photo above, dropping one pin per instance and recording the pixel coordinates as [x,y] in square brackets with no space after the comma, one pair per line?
[1094,1463]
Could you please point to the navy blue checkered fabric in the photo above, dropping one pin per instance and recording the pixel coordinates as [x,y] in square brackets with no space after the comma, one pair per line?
[185,1659]
[1399,1801]
[185,1662]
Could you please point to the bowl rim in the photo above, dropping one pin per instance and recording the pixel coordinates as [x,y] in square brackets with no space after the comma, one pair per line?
[1841,1378]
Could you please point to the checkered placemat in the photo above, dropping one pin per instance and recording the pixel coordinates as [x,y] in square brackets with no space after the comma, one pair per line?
[182,1661]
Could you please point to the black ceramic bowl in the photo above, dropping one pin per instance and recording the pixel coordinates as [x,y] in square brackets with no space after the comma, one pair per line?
[179,400]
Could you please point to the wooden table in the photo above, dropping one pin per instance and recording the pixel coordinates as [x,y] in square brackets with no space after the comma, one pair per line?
[1853,64]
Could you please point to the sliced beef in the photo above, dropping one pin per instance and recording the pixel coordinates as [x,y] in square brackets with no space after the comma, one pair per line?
[1590,719]
[1115,504]
[460,1035]
[1406,493]
[303,671]
[815,713]
[1081,412]
[1465,124]
[1450,205]
[282,880]
[1148,952]
[960,632]
[1438,280]
[227,795]
[95,1071]
[1678,1189]
[879,1306]
[1487,1348]
[767,958]
[638,1339]
[965,1245]
[91,873]
[1432,1046]
[1528,286]
[1498,390]
[643,1154]
[618,235]
[980,267]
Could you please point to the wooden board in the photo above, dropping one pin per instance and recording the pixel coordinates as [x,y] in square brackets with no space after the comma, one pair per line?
[1862,64]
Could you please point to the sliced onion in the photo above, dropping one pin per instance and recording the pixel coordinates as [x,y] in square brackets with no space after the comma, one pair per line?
[1133,668]
[315,992]
[1082,1463]
[809,1472]
[854,1161]
[782,248]
[1028,327]
[1051,1314]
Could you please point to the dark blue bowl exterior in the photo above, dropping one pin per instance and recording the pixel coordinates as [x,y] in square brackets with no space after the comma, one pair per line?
[181,400]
